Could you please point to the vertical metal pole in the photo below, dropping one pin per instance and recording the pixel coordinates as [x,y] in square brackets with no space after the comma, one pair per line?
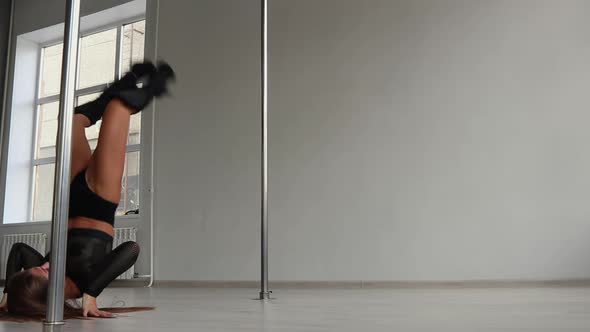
[153,15]
[59,228]
[264,292]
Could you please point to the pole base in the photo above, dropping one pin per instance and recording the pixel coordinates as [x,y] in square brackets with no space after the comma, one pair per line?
[53,326]
[265,295]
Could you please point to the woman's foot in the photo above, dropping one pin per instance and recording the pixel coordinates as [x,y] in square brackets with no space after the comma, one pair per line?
[93,110]
[157,85]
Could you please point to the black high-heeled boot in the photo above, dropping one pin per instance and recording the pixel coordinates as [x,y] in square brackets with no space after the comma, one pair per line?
[138,98]
[93,110]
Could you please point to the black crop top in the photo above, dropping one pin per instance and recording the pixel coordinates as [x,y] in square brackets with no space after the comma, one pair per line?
[86,203]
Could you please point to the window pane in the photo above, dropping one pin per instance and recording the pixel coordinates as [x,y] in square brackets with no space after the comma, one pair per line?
[47,132]
[43,195]
[87,98]
[97,58]
[51,70]
[135,129]
[130,184]
[133,45]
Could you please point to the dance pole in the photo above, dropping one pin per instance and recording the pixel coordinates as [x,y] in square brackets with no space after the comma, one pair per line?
[264,292]
[59,227]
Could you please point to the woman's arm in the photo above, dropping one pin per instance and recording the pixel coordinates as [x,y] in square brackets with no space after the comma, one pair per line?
[21,256]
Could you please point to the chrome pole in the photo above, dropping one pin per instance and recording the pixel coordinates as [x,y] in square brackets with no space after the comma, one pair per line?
[59,227]
[264,292]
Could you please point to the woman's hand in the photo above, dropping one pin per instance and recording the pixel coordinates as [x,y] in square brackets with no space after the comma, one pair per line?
[90,309]
[4,303]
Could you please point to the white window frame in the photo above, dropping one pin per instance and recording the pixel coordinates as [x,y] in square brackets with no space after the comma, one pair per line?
[35,162]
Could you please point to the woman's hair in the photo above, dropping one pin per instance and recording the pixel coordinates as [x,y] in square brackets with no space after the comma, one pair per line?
[27,294]
[27,300]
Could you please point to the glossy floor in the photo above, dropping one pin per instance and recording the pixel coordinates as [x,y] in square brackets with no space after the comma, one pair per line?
[364,310]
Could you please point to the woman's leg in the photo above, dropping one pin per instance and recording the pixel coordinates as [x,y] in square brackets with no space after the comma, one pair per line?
[107,164]
[112,266]
[80,148]
[88,114]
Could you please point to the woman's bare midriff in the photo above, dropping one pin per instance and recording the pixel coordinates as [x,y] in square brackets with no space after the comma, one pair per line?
[87,223]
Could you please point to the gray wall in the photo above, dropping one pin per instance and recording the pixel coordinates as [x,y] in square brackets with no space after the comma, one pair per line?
[28,18]
[206,136]
[410,140]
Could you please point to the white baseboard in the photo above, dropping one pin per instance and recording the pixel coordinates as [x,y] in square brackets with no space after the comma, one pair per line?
[142,282]
[377,284]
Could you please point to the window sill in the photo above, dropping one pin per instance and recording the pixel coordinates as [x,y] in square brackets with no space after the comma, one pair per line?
[43,223]
[127,217]
[30,223]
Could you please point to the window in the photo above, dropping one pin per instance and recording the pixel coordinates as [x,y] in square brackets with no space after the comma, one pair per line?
[103,57]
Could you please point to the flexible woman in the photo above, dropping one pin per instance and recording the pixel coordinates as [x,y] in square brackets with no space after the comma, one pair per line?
[95,191]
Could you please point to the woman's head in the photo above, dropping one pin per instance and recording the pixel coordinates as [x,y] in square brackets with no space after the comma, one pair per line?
[27,292]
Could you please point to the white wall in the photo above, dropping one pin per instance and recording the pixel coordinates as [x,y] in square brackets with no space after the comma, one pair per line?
[410,140]
[20,144]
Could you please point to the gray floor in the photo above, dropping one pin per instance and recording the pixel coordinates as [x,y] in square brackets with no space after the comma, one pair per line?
[216,310]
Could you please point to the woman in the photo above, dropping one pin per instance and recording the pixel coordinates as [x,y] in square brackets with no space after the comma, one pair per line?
[95,192]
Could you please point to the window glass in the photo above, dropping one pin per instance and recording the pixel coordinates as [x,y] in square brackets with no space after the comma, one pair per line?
[130,184]
[97,58]
[50,70]
[43,194]
[47,130]
[132,45]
